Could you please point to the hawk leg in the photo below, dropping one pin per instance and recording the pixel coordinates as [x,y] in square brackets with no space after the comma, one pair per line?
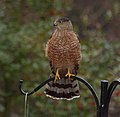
[57,76]
[69,74]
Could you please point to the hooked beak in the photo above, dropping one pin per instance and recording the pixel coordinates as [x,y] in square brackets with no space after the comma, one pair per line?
[55,23]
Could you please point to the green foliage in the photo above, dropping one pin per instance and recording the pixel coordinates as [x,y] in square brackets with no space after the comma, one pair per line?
[100,57]
[25,27]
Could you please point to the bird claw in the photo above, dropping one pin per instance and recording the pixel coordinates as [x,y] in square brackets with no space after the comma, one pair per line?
[69,74]
[57,76]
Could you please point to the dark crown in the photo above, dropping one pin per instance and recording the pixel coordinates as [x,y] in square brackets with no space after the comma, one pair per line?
[63,19]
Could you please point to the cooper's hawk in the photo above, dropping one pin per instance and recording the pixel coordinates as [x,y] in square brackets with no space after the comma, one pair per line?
[63,52]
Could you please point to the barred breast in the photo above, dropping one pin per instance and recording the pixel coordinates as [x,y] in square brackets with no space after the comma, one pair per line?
[63,49]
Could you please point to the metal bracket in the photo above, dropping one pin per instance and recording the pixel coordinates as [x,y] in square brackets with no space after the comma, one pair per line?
[102,105]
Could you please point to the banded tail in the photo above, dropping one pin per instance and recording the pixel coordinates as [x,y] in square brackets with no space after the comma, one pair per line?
[63,89]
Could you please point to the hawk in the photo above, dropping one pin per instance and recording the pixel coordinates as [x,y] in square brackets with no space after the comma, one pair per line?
[64,54]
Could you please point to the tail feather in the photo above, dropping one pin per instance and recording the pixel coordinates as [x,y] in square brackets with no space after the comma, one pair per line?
[63,89]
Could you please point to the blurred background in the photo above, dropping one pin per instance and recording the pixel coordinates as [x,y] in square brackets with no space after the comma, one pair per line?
[25,27]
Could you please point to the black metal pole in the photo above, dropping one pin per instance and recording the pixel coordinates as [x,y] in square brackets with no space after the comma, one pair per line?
[103,98]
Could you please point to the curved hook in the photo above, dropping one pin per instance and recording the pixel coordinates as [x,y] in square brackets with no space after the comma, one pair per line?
[74,77]
[111,88]
[36,89]
[92,91]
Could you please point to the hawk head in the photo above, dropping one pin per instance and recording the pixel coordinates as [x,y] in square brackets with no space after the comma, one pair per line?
[63,23]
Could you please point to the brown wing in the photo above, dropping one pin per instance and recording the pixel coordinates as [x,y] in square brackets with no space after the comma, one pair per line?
[48,50]
[77,36]
[78,51]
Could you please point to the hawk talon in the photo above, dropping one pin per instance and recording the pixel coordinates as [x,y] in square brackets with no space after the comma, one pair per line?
[69,74]
[57,76]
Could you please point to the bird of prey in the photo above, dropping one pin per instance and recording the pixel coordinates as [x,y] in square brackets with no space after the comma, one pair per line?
[64,54]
